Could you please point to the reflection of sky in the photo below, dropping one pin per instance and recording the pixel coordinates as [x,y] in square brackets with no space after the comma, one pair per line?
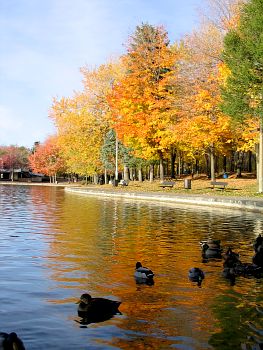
[258,227]
[74,244]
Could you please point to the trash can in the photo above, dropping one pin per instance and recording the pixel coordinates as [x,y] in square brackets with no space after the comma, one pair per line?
[115,182]
[187,183]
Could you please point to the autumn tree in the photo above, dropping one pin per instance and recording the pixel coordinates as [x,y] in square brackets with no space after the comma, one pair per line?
[143,100]
[13,157]
[203,75]
[83,121]
[243,54]
[46,159]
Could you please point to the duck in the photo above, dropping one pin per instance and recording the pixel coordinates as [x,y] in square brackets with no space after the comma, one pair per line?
[10,341]
[258,243]
[196,275]
[97,306]
[142,273]
[248,270]
[211,249]
[231,259]
[258,257]
[234,267]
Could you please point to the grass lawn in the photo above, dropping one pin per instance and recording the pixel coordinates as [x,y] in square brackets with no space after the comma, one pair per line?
[243,187]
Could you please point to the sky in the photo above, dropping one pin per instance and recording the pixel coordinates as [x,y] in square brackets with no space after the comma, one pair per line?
[44,43]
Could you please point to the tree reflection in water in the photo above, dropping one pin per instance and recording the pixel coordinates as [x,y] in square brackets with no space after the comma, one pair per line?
[92,244]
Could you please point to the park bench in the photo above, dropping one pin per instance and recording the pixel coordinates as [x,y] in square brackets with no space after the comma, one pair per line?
[220,184]
[167,184]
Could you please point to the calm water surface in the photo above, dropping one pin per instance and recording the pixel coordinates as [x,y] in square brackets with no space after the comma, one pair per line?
[55,245]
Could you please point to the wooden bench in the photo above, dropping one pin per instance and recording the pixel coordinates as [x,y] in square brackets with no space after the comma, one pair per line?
[167,184]
[220,184]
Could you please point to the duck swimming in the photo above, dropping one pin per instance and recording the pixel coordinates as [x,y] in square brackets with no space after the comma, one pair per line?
[10,341]
[97,306]
[233,267]
[211,249]
[258,257]
[196,275]
[143,273]
[231,259]
[258,243]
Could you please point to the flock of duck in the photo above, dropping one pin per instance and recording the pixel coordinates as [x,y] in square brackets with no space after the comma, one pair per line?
[100,309]
[232,265]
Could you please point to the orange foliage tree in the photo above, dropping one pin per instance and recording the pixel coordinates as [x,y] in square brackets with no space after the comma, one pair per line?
[47,159]
[142,102]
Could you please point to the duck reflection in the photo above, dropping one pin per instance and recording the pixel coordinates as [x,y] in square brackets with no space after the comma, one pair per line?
[148,282]
[86,319]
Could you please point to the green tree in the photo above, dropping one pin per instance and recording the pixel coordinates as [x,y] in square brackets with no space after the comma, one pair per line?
[243,54]
[109,153]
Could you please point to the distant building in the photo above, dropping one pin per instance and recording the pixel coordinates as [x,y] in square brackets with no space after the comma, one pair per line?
[21,175]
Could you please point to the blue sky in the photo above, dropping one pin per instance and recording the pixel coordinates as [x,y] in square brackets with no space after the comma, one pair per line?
[43,44]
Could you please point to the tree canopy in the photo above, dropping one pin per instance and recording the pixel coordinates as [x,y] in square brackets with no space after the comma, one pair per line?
[243,54]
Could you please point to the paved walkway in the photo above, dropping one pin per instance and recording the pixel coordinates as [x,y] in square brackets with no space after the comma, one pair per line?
[241,203]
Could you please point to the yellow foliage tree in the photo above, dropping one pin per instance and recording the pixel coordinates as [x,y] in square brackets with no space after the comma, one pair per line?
[82,121]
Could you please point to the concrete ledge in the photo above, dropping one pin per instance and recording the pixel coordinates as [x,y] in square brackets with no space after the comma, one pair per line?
[241,203]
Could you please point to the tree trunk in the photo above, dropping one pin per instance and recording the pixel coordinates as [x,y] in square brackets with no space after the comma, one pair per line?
[260,160]
[161,169]
[249,166]
[140,173]
[151,172]
[224,164]
[126,173]
[179,165]
[116,158]
[232,168]
[212,163]
[95,179]
[173,157]
[197,166]
[106,176]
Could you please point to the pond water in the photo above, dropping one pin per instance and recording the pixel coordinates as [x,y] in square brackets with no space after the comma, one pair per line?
[54,246]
